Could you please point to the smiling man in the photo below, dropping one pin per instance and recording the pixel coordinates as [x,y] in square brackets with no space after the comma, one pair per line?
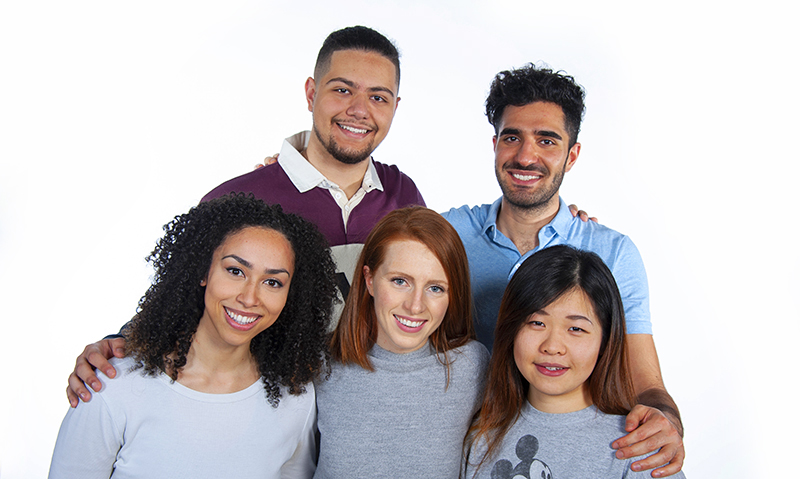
[536,114]
[326,175]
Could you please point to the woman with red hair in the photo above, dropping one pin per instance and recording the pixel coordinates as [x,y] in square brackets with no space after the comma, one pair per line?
[407,374]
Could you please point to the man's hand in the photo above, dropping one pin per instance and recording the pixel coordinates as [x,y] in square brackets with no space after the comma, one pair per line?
[651,430]
[94,356]
[576,212]
[267,161]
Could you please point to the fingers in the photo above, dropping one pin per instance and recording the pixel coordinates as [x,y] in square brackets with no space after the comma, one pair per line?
[117,346]
[72,397]
[674,466]
[76,389]
[584,216]
[651,431]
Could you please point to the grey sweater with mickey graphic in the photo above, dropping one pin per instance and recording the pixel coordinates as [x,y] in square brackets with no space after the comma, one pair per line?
[555,446]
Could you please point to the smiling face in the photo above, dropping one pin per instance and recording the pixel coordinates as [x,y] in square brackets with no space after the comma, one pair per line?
[532,154]
[556,351]
[410,292]
[353,104]
[246,286]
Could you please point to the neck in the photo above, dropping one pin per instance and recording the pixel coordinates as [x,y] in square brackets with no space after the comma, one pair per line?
[213,367]
[348,177]
[570,402]
[521,225]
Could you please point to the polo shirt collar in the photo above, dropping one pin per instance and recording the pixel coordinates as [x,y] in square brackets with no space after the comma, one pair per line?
[303,174]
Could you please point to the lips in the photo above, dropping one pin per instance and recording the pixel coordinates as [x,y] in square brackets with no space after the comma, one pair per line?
[241,320]
[551,370]
[409,325]
[353,129]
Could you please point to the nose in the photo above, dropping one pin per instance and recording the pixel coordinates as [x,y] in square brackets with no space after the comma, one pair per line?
[553,344]
[415,303]
[358,107]
[527,154]
[248,296]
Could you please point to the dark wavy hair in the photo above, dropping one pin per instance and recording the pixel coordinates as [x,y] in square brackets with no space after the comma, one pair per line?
[529,84]
[356,38]
[357,330]
[289,353]
[542,279]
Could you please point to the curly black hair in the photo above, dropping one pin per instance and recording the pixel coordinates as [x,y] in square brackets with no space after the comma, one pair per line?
[529,84]
[289,353]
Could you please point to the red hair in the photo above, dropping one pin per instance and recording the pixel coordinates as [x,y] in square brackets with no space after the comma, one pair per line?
[357,330]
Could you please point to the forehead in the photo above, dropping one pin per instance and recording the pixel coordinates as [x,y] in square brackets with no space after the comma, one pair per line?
[370,69]
[410,255]
[534,116]
[261,244]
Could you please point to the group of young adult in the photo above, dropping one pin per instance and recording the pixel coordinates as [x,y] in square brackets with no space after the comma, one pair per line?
[398,383]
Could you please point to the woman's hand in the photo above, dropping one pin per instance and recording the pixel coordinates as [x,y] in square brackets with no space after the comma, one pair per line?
[95,355]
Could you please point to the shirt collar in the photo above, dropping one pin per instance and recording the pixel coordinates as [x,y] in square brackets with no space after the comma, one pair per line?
[303,174]
[560,223]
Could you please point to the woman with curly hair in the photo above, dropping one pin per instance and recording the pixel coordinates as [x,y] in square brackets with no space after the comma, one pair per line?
[559,383]
[221,354]
[407,374]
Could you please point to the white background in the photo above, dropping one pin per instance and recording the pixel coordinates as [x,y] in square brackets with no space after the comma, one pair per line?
[116,116]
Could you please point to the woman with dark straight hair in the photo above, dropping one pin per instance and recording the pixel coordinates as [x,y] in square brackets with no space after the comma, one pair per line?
[559,385]
[407,374]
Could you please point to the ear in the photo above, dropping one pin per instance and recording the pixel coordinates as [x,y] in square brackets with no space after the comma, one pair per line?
[204,282]
[311,91]
[494,143]
[572,156]
[368,280]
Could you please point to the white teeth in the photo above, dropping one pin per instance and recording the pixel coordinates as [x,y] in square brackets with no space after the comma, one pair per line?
[353,129]
[525,177]
[410,324]
[243,320]
[553,369]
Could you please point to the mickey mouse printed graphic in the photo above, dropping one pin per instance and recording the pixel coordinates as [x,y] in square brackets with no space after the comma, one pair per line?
[528,467]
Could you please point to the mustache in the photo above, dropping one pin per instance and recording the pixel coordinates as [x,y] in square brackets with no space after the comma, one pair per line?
[532,168]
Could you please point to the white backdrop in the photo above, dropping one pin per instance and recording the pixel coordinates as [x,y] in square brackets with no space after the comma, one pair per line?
[115,116]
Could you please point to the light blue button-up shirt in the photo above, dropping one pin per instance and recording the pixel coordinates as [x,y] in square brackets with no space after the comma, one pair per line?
[493,259]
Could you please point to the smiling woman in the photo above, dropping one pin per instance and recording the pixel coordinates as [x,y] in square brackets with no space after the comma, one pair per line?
[559,385]
[407,374]
[238,310]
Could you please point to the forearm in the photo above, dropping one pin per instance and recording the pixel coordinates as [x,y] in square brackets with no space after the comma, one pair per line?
[659,398]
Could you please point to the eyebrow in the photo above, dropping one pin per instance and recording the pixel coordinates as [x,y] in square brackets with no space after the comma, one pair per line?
[518,132]
[574,317]
[247,264]
[352,84]
[400,273]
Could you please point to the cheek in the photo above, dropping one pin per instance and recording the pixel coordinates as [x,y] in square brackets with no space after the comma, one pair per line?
[523,350]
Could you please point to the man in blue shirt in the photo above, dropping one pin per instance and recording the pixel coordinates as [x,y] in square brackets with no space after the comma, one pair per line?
[536,114]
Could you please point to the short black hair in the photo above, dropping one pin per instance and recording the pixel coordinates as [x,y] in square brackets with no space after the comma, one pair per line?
[292,351]
[529,84]
[356,38]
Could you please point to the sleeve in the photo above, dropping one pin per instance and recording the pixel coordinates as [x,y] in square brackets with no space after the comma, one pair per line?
[631,278]
[302,464]
[87,442]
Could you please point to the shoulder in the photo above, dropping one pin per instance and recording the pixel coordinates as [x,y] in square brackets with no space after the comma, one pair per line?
[475,352]
[468,215]
[257,182]
[396,182]
[392,173]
